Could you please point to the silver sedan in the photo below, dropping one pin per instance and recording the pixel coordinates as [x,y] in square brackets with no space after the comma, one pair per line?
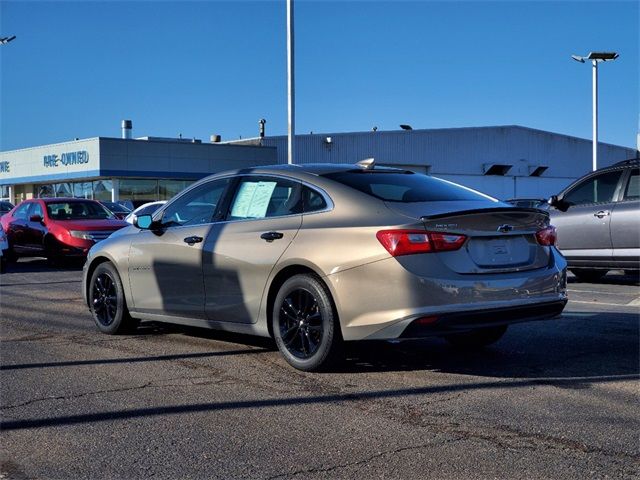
[316,255]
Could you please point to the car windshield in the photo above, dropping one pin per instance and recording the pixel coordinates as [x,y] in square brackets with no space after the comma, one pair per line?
[5,206]
[77,211]
[116,207]
[405,187]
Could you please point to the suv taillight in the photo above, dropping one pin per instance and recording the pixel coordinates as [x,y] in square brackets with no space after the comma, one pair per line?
[547,236]
[408,242]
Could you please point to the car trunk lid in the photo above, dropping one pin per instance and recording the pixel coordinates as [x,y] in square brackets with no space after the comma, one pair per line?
[500,238]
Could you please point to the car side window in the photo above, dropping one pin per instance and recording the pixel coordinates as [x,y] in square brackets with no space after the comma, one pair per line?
[197,206]
[598,189]
[632,192]
[264,197]
[36,209]
[313,201]
[21,211]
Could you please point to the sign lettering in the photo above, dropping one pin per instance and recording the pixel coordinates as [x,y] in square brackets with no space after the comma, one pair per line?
[66,159]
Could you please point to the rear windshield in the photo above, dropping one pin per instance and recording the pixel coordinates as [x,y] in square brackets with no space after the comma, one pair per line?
[77,211]
[405,187]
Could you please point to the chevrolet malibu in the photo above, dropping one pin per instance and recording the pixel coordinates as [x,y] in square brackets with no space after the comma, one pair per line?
[318,255]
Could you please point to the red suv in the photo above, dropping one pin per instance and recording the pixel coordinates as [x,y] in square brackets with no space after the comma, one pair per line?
[57,227]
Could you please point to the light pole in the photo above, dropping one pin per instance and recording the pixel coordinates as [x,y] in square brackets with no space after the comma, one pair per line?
[291,94]
[595,57]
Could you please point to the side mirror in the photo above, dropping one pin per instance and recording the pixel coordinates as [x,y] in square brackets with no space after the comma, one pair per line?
[558,203]
[35,218]
[143,221]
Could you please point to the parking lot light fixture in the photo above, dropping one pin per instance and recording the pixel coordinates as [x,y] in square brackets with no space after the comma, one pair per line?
[5,40]
[595,57]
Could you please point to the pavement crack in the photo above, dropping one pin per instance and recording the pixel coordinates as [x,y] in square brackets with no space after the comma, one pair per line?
[186,381]
[363,461]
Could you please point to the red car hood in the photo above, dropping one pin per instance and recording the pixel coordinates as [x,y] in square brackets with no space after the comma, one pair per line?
[105,224]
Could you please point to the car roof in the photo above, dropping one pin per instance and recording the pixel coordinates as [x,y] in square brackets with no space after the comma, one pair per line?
[64,199]
[315,168]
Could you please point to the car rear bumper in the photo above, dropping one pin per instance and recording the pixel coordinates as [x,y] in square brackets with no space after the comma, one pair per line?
[381,299]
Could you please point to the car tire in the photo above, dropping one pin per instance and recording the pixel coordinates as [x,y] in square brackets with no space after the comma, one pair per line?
[305,324]
[479,338]
[107,302]
[11,255]
[588,274]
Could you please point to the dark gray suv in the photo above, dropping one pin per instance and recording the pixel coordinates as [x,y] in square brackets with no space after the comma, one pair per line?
[598,221]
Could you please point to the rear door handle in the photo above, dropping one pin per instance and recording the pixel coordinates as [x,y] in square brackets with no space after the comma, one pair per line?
[193,239]
[271,236]
[602,213]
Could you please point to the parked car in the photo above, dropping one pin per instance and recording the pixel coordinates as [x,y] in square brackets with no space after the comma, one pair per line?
[4,250]
[598,221]
[133,204]
[315,255]
[146,209]
[541,203]
[57,228]
[5,207]
[119,211]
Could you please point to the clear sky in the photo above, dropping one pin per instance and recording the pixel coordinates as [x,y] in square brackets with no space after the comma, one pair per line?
[77,69]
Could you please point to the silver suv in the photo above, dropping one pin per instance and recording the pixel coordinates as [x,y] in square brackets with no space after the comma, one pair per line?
[598,221]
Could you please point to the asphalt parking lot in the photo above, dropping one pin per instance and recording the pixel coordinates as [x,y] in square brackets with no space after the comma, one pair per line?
[555,399]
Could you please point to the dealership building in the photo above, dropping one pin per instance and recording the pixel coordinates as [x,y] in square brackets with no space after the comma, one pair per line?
[112,169]
[504,161]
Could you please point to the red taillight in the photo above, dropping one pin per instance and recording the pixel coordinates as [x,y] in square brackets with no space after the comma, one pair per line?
[408,242]
[547,236]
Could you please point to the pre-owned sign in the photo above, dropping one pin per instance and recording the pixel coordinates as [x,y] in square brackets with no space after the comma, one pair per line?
[69,158]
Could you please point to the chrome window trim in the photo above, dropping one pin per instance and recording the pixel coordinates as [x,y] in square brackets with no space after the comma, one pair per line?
[330,205]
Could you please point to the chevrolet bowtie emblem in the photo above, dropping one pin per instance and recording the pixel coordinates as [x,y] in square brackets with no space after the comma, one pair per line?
[505,228]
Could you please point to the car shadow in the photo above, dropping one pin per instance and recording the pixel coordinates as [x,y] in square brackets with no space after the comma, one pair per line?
[39,265]
[578,345]
[615,277]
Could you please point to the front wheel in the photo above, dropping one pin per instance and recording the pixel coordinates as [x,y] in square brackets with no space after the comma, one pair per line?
[305,325]
[477,338]
[107,303]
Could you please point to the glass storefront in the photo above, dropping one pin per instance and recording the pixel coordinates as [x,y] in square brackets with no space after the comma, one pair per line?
[129,189]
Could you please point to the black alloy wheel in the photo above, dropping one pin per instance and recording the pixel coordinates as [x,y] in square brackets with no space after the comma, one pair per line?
[107,303]
[301,323]
[305,324]
[104,298]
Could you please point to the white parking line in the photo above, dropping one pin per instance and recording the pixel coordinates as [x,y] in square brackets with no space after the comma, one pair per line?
[631,304]
[593,291]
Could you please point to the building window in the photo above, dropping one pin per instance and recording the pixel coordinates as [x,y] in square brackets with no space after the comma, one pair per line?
[83,190]
[168,189]
[63,190]
[138,189]
[102,190]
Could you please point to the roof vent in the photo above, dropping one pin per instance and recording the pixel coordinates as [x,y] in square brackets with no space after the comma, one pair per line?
[367,163]
[496,168]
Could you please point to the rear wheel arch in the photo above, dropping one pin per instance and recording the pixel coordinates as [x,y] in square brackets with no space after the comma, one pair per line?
[281,277]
